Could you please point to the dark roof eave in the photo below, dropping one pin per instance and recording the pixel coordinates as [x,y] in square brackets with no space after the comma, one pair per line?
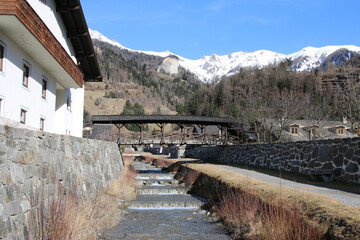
[77,31]
[121,119]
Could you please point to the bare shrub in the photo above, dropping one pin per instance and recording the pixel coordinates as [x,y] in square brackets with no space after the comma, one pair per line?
[104,211]
[287,222]
[52,216]
[239,211]
[60,215]
[247,217]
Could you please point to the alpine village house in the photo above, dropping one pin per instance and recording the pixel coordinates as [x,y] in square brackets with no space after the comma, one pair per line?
[46,54]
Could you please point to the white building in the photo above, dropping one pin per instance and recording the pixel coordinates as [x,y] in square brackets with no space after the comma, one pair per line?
[46,54]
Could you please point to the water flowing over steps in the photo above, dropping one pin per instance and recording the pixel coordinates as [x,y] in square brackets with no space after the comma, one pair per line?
[161,190]
[163,210]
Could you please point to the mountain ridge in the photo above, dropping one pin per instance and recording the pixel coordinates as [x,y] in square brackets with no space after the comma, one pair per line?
[212,68]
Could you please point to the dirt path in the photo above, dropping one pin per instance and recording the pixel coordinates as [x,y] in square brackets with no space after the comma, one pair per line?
[344,197]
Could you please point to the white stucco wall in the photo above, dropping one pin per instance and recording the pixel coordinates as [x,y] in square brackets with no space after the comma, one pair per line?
[78,96]
[15,96]
[67,121]
[47,12]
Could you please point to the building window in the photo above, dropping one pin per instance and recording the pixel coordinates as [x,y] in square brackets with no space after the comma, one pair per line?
[42,124]
[68,104]
[2,55]
[23,113]
[44,88]
[340,131]
[26,74]
[294,130]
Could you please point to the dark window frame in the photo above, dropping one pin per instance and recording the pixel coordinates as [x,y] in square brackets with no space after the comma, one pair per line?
[44,87]
[26,75]
[340,131]
[23,113]
[68,104]
[2,57]
[294,130]
[42,124]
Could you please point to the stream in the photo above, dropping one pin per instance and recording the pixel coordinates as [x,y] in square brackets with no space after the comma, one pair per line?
[163,210]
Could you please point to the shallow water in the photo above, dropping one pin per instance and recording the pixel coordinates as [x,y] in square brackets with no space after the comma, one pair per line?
[159,215]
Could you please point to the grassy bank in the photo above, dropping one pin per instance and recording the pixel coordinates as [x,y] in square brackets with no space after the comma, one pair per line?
[62,216]
[253,209]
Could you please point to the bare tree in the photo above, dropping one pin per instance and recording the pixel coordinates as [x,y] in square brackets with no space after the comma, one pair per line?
[316,116]
[256,110]
[288,106]
[349,93]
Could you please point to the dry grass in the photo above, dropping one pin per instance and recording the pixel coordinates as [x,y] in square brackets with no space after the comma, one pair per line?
[52,217]
[247,217]
[61,216]
[124,187]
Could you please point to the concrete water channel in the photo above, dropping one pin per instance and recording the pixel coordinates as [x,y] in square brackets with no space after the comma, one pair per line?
[163,210]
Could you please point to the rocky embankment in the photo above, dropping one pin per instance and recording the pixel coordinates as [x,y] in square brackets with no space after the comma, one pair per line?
[36,167]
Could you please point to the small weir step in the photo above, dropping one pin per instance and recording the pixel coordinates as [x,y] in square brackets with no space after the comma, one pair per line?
[152,176]
[151,171]
[161,190]
[177,201]
[160,181]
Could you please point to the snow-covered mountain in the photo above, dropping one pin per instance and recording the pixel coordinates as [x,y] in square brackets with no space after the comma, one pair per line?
[210,68]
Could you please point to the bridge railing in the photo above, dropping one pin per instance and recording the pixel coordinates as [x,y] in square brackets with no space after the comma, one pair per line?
[171,138]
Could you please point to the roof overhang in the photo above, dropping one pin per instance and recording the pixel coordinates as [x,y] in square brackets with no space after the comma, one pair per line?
[172,119]
[77,31]
[22,25]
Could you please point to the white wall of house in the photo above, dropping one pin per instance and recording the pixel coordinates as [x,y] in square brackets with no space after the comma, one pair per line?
[58,119]
[66,116]
[78,96]
[47,13]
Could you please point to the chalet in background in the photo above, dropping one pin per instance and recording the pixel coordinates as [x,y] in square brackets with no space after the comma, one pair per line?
[305,130]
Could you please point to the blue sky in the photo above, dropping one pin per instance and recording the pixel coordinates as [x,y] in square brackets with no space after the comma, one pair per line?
[195,28]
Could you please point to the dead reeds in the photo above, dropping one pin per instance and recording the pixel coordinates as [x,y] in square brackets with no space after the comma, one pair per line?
[52,216]
[247,217]
[60,215]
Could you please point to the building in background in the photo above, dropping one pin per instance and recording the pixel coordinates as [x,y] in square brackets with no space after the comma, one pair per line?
[46,54]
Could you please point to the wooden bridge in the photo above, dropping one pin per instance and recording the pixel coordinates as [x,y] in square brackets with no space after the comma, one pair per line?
[186,124]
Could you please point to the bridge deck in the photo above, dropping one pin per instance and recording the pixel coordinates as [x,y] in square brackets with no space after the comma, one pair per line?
[186,135]
[119,119]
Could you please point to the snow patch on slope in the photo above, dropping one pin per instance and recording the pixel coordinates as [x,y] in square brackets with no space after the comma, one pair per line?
[310,57]
[97,35]
[210,68]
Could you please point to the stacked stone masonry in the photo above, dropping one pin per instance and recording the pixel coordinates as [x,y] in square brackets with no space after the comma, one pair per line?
[31,161]
[340,157]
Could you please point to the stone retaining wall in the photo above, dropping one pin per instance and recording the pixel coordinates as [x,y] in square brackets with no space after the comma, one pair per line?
[339,156]
[32,161]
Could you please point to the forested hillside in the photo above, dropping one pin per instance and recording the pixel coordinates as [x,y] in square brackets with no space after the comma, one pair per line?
[330,92]
[134,77]
[284,95]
